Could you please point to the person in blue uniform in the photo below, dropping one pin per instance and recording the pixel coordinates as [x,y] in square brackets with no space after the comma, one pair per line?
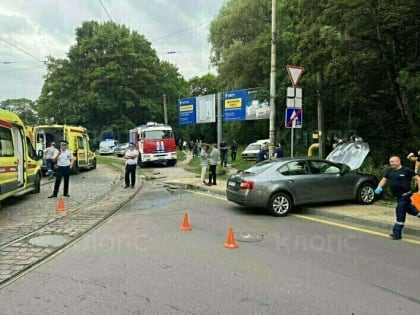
[399,177]
[263,154]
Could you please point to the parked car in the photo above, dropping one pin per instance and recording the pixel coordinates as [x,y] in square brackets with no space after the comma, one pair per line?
[120,150]
[107,146]
[281,184]
[251,151]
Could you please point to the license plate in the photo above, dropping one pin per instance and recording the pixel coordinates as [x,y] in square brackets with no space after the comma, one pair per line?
[231,184]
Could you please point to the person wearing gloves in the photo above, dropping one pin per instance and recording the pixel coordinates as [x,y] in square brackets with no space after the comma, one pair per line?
[399,177]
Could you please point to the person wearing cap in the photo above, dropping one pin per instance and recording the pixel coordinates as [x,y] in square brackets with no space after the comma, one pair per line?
[50,153]
[65,161]
[131,156]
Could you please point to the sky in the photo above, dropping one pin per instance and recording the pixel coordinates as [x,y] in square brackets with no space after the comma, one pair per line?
[31,30]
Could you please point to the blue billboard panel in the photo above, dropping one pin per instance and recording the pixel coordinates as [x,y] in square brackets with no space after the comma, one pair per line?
[186,110]
[257,105]
[234,105]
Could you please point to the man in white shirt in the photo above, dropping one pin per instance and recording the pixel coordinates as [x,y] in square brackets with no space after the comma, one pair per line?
[50,154]
[131,156]
[65,161]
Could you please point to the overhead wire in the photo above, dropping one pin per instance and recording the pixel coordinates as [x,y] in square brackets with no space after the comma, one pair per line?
[180,31]
[106,11]
[22,50]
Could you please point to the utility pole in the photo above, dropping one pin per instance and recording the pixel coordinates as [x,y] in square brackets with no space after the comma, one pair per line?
[165,110]
[219,118]
[321,128]
[272,131]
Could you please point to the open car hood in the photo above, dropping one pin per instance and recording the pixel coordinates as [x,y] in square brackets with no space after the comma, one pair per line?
[351,153]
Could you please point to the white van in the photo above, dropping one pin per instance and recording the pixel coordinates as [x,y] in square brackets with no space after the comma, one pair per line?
[107,146]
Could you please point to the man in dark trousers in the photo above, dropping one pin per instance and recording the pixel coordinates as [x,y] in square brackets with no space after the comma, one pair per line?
[399,177]
[233,150]
[65,161]
[223,153]
[130,156]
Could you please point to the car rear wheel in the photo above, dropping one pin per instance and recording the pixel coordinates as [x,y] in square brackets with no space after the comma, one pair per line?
[280,204]
[365,194]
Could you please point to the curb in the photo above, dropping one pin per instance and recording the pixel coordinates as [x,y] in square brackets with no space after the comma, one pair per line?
[386,227]
[380,225]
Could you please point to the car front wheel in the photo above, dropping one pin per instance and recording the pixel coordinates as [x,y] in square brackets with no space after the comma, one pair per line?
[280,204]
[365,194]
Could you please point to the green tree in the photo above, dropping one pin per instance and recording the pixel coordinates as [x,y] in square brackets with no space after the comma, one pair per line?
[367,53]
[24,108]
[111,82]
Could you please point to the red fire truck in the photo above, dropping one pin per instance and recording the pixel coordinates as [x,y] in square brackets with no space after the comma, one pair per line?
[155,142]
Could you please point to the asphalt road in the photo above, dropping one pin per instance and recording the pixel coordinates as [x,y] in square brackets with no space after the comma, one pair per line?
[140,262]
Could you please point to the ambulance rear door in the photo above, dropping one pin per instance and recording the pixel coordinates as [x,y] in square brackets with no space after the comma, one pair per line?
[8,160]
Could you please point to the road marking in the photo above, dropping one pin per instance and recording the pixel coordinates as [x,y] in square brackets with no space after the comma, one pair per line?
[208,195]
[344,226]
[350,227]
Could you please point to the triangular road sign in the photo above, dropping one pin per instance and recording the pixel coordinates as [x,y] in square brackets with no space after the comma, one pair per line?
[295,74]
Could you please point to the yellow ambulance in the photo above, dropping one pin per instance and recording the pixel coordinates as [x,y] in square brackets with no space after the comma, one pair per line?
[76,136]
[20,167]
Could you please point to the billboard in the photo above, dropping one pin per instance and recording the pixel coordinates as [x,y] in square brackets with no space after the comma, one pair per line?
[206,109]
[257,106]
[234,105]
[186,110]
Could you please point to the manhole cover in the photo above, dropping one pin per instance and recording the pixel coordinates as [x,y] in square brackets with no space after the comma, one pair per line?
[48,240]
[248,237]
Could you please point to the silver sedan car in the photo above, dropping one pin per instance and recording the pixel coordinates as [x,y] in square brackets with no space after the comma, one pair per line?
[279,185]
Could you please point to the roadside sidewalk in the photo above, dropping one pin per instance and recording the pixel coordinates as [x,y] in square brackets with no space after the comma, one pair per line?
[380,217]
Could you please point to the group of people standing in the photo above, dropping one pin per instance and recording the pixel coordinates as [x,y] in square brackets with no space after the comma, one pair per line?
[264,153]
[224,150]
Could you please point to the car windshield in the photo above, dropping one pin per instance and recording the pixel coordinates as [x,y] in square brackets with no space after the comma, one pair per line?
[109,144]
[158,134]
[253,147]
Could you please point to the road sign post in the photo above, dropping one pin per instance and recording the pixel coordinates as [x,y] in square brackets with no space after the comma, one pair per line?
[293,119]
[294,102]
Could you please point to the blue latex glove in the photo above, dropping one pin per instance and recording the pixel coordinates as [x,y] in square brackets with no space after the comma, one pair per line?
[378,190]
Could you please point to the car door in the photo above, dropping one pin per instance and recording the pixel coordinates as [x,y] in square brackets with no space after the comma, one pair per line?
[333,185]
[297,178]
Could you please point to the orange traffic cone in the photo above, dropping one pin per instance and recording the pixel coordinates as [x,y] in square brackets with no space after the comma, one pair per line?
[186,224]
[60,206]
[230,243]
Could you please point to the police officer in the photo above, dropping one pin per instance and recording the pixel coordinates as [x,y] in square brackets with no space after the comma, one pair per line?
[65,163]
[131,156]
[399,177]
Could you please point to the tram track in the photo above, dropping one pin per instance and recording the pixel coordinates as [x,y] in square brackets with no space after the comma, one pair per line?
[23,253]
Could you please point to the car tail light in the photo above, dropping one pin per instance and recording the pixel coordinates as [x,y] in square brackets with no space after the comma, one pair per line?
[247,184]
